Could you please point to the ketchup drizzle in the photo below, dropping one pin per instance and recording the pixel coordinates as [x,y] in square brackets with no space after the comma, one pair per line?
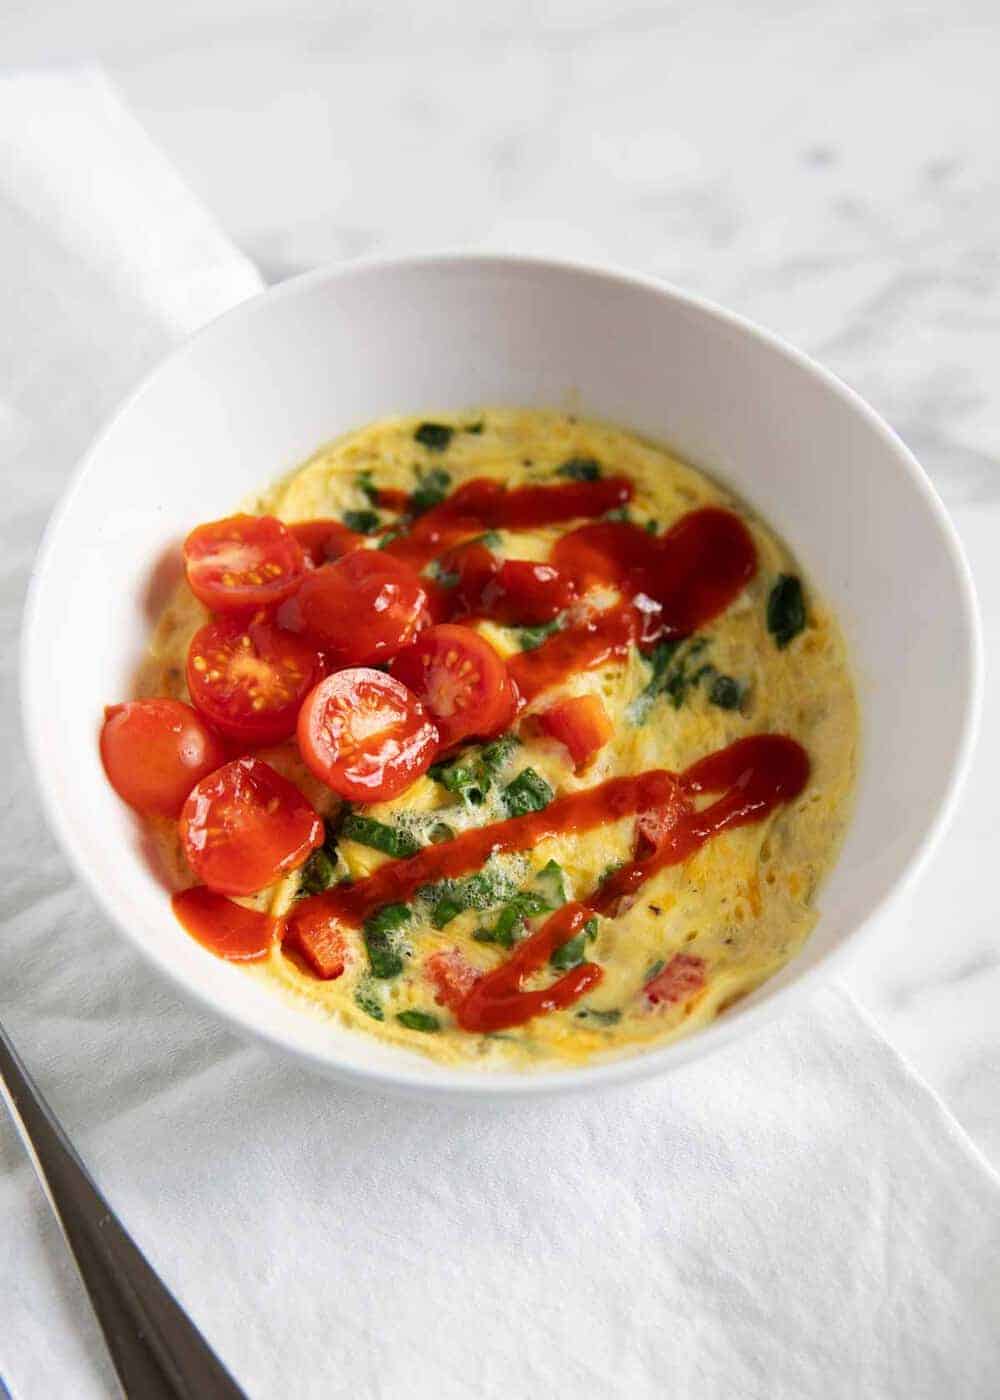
[753,775]
[482,504]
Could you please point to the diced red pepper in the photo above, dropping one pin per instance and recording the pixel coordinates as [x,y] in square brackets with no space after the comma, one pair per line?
[683,975]
[581,723]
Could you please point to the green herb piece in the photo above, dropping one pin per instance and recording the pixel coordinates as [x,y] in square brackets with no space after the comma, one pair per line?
[366,998]
[726,693]
[617,513]
[431,489]
[380,837]
[366,485]
[471,776]
[574,950]
[484,890]
[652,527]
[475,427]
[490,540]
[380,931]
[529,792]
[786,610]
[365,522]
[510,923]
[550,884]
[440,832]
[670,676]
[434,436]
[495,754]
[653,970]
[445,577]
[320,870]
[418,1021]
[388,538]
[603,1018]
[580,469]
[532,637]
[318,873]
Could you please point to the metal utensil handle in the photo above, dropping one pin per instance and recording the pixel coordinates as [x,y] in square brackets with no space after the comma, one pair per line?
[157,1351]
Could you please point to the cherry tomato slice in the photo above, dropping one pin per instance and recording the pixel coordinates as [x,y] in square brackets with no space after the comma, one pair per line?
[460,678]
[325,540]
[243,563]
[365,735]
[362,610]
[154,751]
[581,723]
[245,825]
[226,929]
[249,679]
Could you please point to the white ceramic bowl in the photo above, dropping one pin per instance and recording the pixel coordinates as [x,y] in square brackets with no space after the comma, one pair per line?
[255,392]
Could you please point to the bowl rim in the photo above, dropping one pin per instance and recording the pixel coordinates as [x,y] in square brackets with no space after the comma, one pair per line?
[437,1080]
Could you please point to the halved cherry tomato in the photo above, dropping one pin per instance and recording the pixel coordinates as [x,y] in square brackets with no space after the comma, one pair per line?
[581,723]
[245,825]
[325,540]
[243,563]
[249,678]
[225,928]
[460,678]
[683,976]
[154,751]
[365,735]
[362,610]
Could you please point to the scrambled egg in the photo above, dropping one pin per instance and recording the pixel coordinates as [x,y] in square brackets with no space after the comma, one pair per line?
[743,903]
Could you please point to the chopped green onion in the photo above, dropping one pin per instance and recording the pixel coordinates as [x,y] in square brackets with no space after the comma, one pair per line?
[580,469]
[726,693]
[418,1021]
[380,837]
[434,436]
[574,950]
[379,932]
[365,522]
[431,489]
[786,610]
[529,792]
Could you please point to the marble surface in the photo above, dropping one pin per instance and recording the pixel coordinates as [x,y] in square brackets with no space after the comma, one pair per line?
[829,172]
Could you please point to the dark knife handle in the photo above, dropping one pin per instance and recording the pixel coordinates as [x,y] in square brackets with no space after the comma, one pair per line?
[157,1351]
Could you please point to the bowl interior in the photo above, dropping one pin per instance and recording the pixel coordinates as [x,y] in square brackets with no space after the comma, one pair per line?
[257,391]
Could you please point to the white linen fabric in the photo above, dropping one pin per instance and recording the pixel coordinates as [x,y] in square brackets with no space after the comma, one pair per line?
[798,1216]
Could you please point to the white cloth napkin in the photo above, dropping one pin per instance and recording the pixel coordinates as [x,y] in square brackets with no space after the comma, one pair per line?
[797,1217]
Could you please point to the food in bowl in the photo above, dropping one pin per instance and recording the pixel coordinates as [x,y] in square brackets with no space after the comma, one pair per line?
[505,736]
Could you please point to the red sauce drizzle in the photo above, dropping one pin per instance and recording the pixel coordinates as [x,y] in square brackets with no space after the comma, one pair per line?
[753,775]
[496,1001]
[397,881]
[223,927]
[482,504]
[600,638]
[673,585]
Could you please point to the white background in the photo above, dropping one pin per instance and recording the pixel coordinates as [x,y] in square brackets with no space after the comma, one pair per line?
[831,171]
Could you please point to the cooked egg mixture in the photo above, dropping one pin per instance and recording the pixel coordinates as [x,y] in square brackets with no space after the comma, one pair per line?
[743,904]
